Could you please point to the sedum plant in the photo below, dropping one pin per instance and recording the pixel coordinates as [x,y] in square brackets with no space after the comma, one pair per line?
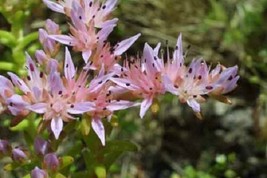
[65,110]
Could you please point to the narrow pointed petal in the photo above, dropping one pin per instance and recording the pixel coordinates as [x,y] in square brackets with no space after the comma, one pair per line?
[178,53]
[111,22]
[168,85]
[194,105]
[120,105]
[145,105]
[69,69]
[63,39]
[104,32]
[39,108]
[125,44]
[99,129]
[80,108]
[56,126]
[18,82]
[86,55]
[54,6]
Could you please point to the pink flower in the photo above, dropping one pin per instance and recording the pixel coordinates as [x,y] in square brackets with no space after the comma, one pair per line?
[84,37]
[143,77]
[90,10]
[192,82]
[109,56]
[61,99]
[104,105]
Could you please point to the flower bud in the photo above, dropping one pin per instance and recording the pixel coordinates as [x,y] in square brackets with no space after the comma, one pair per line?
[41,146]
[38,173]
[51,161]
[18,155]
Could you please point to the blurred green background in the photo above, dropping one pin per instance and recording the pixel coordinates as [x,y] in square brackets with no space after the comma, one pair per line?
[231,141]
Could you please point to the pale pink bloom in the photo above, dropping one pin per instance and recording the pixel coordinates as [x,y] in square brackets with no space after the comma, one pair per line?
[143,77]
[62,99]
[104,106]
[90,10]
[192,82]
[83,38]
[109,56]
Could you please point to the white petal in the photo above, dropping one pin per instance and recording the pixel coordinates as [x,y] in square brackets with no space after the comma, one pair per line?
[99,129]
[56,126]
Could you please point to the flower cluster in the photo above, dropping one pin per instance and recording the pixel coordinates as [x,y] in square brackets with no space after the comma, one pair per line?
[61,92]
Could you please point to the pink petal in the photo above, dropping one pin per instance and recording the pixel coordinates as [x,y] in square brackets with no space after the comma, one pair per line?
[178,53]
[55,83]
[104,32]
[39,108]
[147,102]
[99,129]
[77,16]
[120,105]
[54,6]
[110,4]
[69,69]
[86,55]
[63,39]
[56,126]
[80,108]
[111,22]
[125,83]
[194,105]
[169,86]
[18,82]
[122,46]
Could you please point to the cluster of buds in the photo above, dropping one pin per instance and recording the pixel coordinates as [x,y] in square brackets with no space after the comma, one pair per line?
[59,91]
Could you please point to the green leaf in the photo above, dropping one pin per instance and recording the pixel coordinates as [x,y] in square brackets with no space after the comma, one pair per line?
[65,161]
[58,175]
[7,38]
[114,149]
[101,172]
[120,145]
[10,166]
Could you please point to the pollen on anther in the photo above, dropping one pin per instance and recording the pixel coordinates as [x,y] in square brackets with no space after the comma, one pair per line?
[72,106]
[127,84]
